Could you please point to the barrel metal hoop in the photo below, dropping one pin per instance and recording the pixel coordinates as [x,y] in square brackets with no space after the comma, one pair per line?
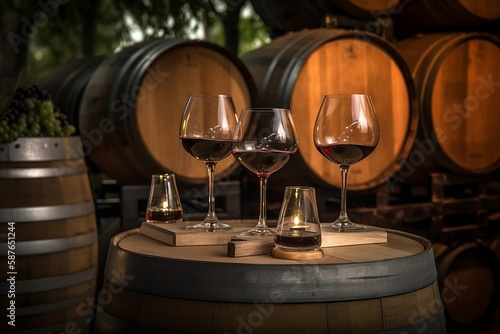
[56,171]
[294,67]
[59,305]
[41,149]
[46,213]
[133,67]
[81,322]
[46,246]
[51,283]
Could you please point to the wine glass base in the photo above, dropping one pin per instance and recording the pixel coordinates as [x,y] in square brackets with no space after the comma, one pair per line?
[346,227]
[209,227]
[257,232]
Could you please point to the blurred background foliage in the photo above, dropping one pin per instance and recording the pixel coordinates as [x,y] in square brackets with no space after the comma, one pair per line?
[37,36]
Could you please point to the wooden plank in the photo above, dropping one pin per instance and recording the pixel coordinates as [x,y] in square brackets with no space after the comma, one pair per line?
[252,246]
[177,235]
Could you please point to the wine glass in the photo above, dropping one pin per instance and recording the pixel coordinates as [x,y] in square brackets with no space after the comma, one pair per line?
[207,127]
[264,140]
[346,131]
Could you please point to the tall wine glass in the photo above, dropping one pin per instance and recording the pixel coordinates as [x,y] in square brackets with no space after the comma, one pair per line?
[207,127]
[264,140]
[346,131]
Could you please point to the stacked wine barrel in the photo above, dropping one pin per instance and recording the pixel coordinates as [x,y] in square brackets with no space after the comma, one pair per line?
[47,215]
[435,86]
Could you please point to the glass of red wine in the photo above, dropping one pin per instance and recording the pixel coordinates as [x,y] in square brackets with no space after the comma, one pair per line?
[206,131]
[264,140]
[346,131]
[164,203]
[298,227]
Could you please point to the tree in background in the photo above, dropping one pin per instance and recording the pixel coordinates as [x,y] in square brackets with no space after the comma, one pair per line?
[37,36]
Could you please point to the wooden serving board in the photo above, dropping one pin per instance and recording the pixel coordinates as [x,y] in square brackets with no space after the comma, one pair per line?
[176,235]
[259,246]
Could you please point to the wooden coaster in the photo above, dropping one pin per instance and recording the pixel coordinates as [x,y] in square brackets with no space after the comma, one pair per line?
[297,255]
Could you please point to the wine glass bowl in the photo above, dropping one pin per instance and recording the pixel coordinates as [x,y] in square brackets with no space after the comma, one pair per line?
[264,140]
[345,132]
[206,132]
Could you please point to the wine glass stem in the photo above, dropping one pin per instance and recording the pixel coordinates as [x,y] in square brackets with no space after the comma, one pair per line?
[343,218]
[262,223]
[211,216]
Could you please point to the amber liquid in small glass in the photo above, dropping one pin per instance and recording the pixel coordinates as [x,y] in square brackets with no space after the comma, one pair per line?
[299,239]
[164,216]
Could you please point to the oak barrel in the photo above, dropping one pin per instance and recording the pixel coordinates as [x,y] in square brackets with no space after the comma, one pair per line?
[446,15]
[152,287]
[132,107]
[285,15]
[468,276]
[48,224]
[67,83]
[297,70]
[456,77]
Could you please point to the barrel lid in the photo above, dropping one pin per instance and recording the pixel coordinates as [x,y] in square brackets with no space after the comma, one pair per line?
[138,266]
[42,149]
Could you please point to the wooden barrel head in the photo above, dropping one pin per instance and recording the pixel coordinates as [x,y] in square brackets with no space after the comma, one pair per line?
[297,70]
[189,69]
[134,102]
[459,96]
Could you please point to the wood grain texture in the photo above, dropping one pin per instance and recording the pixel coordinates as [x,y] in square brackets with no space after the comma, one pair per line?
[297,255]
[147,86]
[309,64]
[55,270]
[455,79]
[176,234]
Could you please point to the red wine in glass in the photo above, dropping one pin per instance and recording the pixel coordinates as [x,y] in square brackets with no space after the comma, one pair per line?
[264,139]
[345,154]
[206,133]
[207,149]
[346,131]
[161,215]
[299,239]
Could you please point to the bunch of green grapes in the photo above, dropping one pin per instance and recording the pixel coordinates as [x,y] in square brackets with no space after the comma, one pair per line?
[32,113]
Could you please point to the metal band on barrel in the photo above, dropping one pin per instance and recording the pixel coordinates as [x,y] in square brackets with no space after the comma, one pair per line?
[44,213]
[53,282]
[32,173]
[46,246]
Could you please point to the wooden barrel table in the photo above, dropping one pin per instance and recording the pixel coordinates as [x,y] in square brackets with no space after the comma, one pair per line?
[385,288]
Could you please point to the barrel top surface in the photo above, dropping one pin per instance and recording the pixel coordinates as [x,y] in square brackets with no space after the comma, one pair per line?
[398,246]
[405,263]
